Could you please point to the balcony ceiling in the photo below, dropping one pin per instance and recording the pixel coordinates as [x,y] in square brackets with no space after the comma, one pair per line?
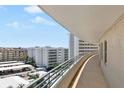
[88,22]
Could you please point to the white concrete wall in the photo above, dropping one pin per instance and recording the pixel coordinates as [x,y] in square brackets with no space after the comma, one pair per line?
[114,68]
[76,46]
[38,57]
[71,46]
[45,57]
[30,52]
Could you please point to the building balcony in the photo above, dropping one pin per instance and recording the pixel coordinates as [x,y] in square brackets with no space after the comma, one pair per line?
[91,75]
[78,72]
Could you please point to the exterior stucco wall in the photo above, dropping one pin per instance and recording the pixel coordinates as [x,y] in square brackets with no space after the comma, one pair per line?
[114,68]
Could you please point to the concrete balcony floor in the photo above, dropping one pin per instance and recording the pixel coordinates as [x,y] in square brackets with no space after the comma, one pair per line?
[92,75]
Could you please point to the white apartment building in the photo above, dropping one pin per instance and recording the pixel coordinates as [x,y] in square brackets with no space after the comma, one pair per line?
[80,47]
[38,56]
[62,54]
[30,52]
[48,56]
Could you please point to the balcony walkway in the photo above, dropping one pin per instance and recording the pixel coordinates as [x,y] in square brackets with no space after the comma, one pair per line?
[92,75]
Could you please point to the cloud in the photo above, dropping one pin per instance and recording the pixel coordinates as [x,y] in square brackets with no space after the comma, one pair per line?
[14,24]
[33,9]
[38,20]
[41,20]
[20,25]
[50,23]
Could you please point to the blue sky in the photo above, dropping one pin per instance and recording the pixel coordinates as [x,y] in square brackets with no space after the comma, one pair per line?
[28,26]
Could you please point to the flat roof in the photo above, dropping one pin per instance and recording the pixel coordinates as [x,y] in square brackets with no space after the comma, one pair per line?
[9,62]
[15,67]
[12,64]
[13,81]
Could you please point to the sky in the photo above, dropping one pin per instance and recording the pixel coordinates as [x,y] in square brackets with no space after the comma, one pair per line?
[29,26]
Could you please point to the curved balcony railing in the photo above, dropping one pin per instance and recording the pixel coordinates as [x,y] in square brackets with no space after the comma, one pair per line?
[52,76]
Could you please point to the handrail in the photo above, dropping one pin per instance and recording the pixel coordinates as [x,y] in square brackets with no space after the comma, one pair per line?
[51,77]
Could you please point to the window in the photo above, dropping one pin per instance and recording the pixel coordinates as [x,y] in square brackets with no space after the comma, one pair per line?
[105,51]
[101,51]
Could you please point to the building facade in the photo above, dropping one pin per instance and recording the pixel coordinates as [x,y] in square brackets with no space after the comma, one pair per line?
[11,54]
[48,56]
[80,47]
[62,54]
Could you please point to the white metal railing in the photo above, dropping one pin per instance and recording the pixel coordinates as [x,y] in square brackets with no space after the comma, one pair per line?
[52,76]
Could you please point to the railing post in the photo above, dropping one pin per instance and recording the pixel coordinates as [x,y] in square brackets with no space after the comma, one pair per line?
[49,80]
[69,64]
[62,71]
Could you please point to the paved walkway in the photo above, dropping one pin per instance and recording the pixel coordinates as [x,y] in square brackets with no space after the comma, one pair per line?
[92,76]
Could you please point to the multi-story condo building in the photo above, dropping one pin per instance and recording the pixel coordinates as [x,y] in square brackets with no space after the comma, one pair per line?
[11,54]
[80,47]
[62,54]
[30,52]
[38,56]
[48,56]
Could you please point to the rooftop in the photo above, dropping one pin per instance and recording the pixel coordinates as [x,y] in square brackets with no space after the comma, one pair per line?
[15,67]
[13,82]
